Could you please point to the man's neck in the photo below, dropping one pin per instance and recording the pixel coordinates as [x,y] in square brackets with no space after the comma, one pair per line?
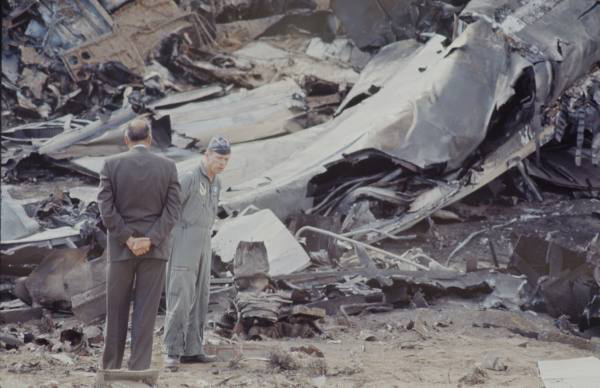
[138,145]
[209,174]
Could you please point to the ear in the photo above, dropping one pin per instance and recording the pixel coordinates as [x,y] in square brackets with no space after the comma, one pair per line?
[126,138]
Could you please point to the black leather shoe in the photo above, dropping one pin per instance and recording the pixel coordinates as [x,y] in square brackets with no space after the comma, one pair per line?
[198,359]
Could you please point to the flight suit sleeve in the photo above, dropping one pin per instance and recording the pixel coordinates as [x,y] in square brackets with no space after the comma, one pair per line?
[187,181]
[162,227]
[108,211]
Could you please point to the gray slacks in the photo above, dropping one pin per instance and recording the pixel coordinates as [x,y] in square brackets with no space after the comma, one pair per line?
[149,277]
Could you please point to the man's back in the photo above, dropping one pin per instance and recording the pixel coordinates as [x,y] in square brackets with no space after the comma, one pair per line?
[137,187]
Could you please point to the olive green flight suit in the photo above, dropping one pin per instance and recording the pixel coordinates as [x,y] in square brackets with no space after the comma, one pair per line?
[188,270]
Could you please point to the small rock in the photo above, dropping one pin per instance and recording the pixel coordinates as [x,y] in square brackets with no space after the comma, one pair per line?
[50,384]
[57,347]
[43,341]
[63,358]
[30,347]
[93,334]
[320,381]
[523,344]
[294,361]
[28,337]
[410,346]
[418,300]
[311,350]
[421,327]
[493,362]
[367,335]
[10,341]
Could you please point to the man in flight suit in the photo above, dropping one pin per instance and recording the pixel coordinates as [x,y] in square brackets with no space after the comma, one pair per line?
[188,272]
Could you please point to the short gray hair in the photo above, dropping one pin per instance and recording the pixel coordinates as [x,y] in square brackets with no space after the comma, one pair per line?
[138,130]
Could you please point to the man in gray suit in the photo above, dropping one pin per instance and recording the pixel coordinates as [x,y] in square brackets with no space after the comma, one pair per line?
[139,203]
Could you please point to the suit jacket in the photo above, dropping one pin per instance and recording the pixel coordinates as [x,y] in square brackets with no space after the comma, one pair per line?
[139,196]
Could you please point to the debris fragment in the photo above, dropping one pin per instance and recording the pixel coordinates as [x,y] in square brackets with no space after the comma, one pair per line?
[63,358]
[251,266]
[476,377]
[368,336]
[283,360]
[493,362]
[311,350]
[284,253]
[577,372]
[109,378]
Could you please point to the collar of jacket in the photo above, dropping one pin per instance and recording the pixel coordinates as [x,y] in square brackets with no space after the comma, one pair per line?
[139,147]
[202,169]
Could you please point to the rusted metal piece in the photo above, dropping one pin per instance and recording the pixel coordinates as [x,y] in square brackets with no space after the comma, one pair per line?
[90,306]
[20,315]
[138,27]
[359,308]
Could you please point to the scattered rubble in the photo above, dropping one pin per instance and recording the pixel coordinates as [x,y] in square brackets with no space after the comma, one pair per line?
[359,182]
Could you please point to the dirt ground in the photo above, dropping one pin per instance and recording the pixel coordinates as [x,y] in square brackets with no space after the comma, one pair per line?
[375,350]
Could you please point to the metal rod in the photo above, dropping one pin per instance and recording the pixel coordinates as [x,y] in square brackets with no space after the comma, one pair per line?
[367,246]
[462,244]
[386,234]
[530,183]
[473,235]
[494,255]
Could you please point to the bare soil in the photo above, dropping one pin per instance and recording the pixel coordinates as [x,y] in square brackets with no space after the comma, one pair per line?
[448,340]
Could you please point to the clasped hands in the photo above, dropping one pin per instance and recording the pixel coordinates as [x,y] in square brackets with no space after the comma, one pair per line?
[139,245]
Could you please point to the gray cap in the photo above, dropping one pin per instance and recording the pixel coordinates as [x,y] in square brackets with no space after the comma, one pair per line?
[220,145]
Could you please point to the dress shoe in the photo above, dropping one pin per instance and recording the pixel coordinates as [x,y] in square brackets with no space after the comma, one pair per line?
[198,358]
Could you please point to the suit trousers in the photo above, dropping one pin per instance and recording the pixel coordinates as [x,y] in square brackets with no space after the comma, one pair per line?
[149,278]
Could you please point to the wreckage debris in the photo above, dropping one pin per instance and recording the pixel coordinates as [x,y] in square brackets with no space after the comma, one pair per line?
[559,281]
[347,132]
[413,158]
[269,315]
[284,254]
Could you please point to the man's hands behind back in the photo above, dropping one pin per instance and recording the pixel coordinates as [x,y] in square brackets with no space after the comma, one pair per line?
[139,245]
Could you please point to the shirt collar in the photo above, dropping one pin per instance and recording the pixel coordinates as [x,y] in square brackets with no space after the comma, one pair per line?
[203,171]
